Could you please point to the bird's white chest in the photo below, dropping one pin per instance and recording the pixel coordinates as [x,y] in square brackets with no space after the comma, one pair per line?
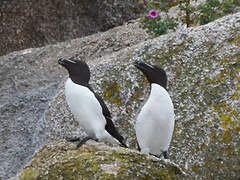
[159,105]
[85,107]
[155,122]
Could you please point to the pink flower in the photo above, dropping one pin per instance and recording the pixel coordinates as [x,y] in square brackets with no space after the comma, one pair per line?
[153,13]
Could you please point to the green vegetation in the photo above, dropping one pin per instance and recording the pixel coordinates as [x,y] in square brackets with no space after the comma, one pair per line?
[62,161]
[191,15]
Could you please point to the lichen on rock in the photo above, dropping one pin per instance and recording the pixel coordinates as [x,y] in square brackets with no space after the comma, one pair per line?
[202,64]
[203,69]
[63,160]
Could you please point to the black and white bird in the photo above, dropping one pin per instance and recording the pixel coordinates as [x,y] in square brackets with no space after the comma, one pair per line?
[155,122]
[87,107]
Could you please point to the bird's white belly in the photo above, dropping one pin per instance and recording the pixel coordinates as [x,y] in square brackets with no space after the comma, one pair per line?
[85,108]
[155,122]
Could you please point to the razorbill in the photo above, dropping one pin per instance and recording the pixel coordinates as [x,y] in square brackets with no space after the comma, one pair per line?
[155,122]
[87,107]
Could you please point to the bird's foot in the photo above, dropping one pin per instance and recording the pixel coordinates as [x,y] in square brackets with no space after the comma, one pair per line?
[84,140]
[165,155]
[72,139]
[123,145]
[157,156]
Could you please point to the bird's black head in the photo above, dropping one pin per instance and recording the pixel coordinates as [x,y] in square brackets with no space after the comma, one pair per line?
[153,73]
[78,70]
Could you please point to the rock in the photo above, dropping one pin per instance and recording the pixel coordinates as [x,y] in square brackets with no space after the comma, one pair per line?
[29,23]
[62,160]
[203,68]
[31,78]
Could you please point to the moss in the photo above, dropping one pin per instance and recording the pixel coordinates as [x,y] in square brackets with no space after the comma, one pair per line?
[190,40]
[179,48]
[212,136]
[228,150]
[203,146]
[87,161]
[107,176]
[237,128]
[238,87]
[226,137]
[236,40]
[29,174]
[195,168]
[225,120]
[112,92]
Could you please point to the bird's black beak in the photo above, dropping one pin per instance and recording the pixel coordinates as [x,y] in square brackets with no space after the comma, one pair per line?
[65,62]
[62,61]
[142,65]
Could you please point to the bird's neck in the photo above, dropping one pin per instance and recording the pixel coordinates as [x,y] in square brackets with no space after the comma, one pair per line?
[157,90]
[78,81]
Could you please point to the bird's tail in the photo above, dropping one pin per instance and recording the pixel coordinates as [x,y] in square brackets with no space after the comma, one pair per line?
[123,144]
[105,136]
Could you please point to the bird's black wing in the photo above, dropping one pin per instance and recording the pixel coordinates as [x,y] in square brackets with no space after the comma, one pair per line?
[110,128]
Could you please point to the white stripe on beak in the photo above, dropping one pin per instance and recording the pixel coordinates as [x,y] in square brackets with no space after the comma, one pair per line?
[149,65]
[71,61]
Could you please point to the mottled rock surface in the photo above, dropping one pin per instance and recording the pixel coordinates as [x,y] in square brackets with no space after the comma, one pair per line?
[203,67]
[29,79]
[62,160]
[31,23]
